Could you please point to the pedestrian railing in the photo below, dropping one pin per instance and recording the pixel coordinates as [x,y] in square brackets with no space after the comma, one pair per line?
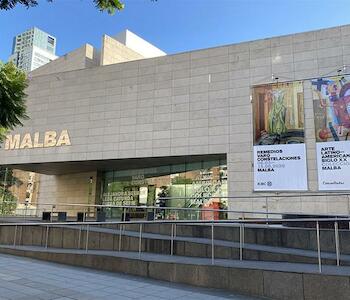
[86,227]
[175,208]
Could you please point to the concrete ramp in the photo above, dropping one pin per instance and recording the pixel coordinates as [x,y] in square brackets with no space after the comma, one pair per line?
[274,280]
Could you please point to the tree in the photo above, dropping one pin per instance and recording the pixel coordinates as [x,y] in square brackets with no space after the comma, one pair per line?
[2,133]
[13,82]
[8,202]
[111,6]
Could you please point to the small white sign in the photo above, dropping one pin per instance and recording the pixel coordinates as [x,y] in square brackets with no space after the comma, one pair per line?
[143,195]
[333,165]
[280,167]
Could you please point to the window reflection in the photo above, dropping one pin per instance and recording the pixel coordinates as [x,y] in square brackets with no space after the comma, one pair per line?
[190,185]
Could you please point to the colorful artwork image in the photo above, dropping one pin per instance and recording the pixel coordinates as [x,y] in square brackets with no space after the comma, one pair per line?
[279,149]
[278,111]
[332,108]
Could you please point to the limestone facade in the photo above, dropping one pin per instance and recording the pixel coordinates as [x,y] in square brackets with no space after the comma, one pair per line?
[187,104]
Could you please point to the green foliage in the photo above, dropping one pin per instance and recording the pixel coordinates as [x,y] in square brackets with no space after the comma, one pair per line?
[111,6]
[8,206]
[181,180]
[13,82]
[7,179]
[8,202]
[9,4]
[2,134]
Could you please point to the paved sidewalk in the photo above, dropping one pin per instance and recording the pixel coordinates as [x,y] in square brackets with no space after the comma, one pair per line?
[28,279]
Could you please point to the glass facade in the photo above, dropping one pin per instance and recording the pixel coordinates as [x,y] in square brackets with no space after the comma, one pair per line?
[44,41]
[188,185]
[17,188]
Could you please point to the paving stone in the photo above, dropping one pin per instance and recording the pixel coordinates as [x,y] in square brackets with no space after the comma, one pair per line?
[30,279]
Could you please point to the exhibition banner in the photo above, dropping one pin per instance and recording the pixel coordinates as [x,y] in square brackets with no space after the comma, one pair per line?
[278,111]
[280,167]
[333,164]
[331,102]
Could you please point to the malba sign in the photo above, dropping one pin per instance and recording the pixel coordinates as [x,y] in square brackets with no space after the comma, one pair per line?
[37,140]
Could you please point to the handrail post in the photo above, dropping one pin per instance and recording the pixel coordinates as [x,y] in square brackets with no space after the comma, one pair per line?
[241,241]
[243,235]
[318,247]
[140,240]
[15,237]
[120,237]
[172,240]
[87,238]
[79,237]
[47,236]
[336,237]
[20,236]
[212,244]
[267,210]
[25,212]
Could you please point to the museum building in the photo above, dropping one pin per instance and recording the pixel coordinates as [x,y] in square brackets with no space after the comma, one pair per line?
[256,126]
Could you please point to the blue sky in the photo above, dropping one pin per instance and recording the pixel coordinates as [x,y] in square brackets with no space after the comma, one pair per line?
[173,25]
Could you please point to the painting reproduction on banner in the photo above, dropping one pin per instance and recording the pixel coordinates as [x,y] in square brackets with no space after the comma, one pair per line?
[279,149]
[331,103]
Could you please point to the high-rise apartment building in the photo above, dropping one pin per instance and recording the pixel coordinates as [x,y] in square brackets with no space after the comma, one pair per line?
[32,49]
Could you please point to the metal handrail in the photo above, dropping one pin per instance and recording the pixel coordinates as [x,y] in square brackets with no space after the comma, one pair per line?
[189,222]
[238,222]
[55,205]
[263,195]
[266,213]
